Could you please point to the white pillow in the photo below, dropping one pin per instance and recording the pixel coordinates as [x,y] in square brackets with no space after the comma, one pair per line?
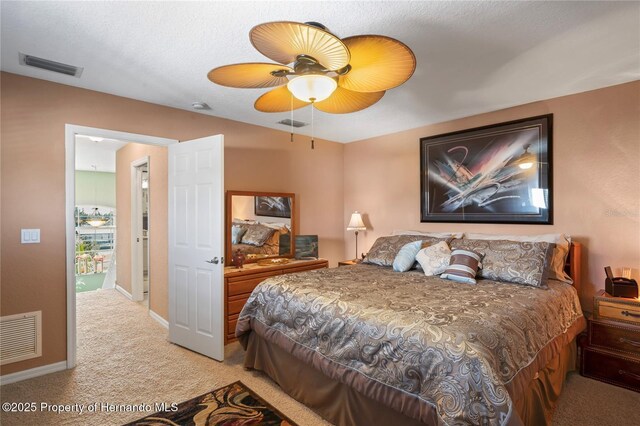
[434,259]
[244,221]
[429,234]
[560,252]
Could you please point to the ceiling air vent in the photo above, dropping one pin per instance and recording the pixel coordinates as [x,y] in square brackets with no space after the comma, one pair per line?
[294,123]
[46,64]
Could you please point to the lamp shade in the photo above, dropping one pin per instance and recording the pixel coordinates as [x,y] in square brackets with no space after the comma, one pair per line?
[312,87]
[356,223]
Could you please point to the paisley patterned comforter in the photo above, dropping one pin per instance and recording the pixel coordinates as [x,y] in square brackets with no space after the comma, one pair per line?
[418,343]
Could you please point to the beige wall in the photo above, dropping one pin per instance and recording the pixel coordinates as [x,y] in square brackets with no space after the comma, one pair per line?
[158,208]
[596,175]
[33,115]
[596,178]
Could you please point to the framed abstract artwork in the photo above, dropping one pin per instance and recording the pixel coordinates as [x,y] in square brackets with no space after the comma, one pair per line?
[273,206]
[493,174]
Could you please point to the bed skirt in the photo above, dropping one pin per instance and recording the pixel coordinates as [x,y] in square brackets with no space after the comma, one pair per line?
[342,405]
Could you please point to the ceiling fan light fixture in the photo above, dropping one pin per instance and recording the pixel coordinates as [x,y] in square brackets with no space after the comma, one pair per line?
[312,87]
[337,76]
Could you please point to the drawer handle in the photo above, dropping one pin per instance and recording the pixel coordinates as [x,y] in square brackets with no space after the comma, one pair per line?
[630,342]
[626,373]
[630,314]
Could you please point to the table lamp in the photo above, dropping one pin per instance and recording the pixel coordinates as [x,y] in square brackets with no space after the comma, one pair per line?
[356,224]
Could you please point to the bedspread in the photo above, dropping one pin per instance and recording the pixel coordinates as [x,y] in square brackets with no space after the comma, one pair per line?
[417,343]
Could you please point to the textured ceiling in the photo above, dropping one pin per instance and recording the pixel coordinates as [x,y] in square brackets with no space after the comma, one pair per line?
[97,156]
[472,57]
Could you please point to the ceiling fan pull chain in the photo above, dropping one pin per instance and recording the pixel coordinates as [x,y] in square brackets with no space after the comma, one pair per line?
[312,126]
[292,118]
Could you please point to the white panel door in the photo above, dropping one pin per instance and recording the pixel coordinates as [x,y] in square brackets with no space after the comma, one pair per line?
[196,245]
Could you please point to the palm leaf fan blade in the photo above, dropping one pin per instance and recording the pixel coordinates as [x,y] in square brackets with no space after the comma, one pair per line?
[278,100]
[284,41]
[377,63]
[256,75]
[344,101]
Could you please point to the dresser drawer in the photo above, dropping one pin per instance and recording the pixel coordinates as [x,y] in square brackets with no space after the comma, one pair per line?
[245,286]
[231,324]
[251,275]
[235,305]
[611,368]
[615,336]
[617,311]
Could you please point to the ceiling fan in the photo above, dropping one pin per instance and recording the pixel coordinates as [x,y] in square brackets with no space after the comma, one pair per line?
[315,67]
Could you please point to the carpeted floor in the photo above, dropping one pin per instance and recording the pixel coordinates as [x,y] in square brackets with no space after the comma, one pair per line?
[124,358]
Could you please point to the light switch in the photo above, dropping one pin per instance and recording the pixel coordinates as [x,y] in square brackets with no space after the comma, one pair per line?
[30,236]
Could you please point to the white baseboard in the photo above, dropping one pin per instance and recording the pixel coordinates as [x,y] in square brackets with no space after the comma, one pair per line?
[33,372]
[124,292]
[163,322]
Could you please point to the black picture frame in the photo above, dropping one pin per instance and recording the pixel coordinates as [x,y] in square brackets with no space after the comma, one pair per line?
[273,206]
[500,173]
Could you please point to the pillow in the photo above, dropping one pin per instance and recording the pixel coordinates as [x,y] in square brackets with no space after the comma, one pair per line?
[434,259]
[406,256]
[283,227]
[429,234]
[463,266]
[519,262]
[384,249]
[237,231]
[560,252]
[257,235]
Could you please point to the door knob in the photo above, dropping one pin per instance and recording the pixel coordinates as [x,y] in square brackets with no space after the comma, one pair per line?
[215,261]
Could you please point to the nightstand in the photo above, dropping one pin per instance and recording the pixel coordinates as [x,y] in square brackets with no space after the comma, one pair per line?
[348,262]
[611,349]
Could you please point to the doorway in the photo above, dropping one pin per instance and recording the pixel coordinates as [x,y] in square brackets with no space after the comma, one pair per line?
[194,215]
[71,131]
[95,212]
[140,229]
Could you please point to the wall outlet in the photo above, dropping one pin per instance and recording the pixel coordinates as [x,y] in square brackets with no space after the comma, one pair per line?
[30,236]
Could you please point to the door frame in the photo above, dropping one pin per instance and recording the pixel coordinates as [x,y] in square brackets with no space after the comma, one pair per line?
[70,132]
[137,252]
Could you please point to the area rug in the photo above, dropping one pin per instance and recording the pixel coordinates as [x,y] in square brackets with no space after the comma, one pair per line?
[231,405]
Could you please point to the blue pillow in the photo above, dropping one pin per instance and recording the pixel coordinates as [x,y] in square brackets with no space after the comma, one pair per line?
[406,257]
[236,233]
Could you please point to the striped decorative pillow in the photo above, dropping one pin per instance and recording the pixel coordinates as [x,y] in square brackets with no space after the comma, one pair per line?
[463,266]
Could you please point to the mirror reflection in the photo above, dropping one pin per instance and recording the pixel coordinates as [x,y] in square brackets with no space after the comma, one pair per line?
[260,225]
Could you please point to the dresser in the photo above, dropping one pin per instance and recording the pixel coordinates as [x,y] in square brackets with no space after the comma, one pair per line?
[239,283]
[610,351]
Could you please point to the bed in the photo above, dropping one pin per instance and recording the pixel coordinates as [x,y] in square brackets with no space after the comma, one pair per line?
[272,239]
[366,345]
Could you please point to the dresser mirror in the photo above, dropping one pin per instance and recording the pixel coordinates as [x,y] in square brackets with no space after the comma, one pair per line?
[260,224]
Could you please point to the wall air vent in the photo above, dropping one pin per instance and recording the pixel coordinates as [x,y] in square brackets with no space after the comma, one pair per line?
[46,64]
[294,123]
[20,337]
